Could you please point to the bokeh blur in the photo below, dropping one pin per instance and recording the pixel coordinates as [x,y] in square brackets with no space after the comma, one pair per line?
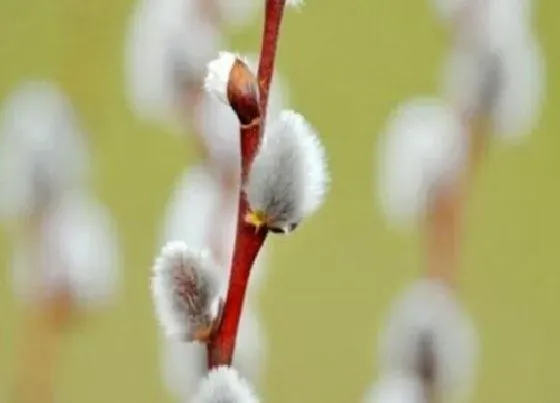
[347,65]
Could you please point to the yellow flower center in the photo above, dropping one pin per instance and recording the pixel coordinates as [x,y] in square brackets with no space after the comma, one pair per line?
[257,218]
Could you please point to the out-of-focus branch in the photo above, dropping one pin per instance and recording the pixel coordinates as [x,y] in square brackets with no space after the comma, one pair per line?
[445,221]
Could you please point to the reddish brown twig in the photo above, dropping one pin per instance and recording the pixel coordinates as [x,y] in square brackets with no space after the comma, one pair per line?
[248,96]
[243,98]
[443,233]
[274,12]
[445,222]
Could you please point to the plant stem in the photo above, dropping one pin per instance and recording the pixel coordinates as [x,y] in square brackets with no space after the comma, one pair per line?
[243,98]
[248,242]
[250,106]
[274,12]
[443,235]
[444,225]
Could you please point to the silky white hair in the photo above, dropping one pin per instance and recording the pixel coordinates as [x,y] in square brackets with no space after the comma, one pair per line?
[487,25]
[429,309]
[289,176]
[167,42]
[515,77]
[43,149]
[76,247]
[422,150]
[220,126]
[185,287]
[190,214]
[396,387]
[185,364]
[225,385]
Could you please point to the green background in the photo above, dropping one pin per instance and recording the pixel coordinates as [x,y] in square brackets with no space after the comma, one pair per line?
[348,64]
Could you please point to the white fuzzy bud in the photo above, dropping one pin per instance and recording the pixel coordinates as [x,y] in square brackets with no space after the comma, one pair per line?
[295,3]
[396,387]
[220,125]
[217,78]
[288,178]
[43,151]
[517,110]
[486,25]
[75,247]
[505,86]
[472,81]
[167,47]
[428,311]
[422,150]
[185,288]
[224,385]
[198,200]
[185,364]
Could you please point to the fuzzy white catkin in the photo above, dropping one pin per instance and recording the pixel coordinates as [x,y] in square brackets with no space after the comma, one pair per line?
[396,387]
[224,385]
[294,3]
[428,307]
[190,209]
[465,79]
[219,124]
[519,80]
[518,109]
[289,177]
[486,24]
[77,247]
[167,42]
[217,76]
[172,310]
[422,149]
[185,364]
[43,151]
[239,13]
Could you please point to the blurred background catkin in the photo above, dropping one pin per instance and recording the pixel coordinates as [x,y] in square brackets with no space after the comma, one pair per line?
[348,64]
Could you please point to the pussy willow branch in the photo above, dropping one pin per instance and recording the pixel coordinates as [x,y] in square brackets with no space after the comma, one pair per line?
[445,221]
[274,13]
[444,227]
[249,99]
[446,218]
[444,237]
[243,98]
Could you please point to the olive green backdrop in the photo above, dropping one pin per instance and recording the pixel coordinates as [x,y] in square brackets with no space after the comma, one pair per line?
[348,63]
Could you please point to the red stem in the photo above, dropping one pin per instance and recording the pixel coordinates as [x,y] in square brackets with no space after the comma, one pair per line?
[445,222]
[443,233]
[243,98]
[274,12]
[248,242]
[250,108]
